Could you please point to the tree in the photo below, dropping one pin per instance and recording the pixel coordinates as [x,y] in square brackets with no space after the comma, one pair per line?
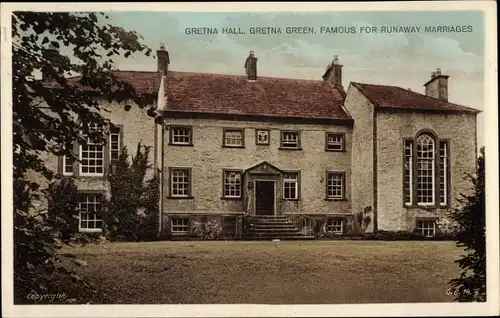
[127,190]
[470,224]
[52,113]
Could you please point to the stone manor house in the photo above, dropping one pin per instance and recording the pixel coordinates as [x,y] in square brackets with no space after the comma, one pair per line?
[236,145]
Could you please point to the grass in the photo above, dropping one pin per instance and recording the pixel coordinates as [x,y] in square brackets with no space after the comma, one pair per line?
[308,272]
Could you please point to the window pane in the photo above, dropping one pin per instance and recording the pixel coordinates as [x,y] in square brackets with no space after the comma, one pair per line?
[425,169]
[180,182]
[233,138]
[290,139]
[92,154]
[408,178]
[181,135]
[90,211]
[443,172]
[232,184]
[334,141]
[335,185]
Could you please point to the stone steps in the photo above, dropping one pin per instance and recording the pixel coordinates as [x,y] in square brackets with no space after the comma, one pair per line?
[269,227]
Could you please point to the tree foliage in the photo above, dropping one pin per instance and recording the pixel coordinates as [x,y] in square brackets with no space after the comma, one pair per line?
[130,193]
[470,222]
[52,113]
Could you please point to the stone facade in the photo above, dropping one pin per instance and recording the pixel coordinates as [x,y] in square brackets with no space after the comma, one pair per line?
[460,132]
[207,158]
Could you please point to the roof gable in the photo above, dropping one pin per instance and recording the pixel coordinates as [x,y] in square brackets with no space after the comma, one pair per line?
[393,97]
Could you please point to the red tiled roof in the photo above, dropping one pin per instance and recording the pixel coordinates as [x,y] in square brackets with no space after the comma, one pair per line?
[394,97]
[232,94]
[235,95]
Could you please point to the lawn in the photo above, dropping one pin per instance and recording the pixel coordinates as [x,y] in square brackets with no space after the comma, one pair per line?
[309,272]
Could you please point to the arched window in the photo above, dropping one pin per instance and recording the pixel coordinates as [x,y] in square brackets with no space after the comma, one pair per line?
[426,171]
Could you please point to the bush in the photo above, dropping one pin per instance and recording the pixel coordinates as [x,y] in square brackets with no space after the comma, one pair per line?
[129,195]
[204,229]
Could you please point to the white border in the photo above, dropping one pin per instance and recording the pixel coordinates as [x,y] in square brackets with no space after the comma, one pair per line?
[491,307]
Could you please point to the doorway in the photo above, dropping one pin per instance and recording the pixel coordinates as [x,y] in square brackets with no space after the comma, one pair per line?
[264,197]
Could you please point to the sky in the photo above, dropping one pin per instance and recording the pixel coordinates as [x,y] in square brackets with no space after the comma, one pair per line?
[401,59]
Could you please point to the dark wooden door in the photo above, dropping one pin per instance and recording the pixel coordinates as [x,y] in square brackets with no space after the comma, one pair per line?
[264,197]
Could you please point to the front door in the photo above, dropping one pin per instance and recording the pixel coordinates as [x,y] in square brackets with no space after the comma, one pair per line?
[264,197]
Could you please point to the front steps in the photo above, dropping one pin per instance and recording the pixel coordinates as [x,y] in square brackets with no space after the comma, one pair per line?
[264,227]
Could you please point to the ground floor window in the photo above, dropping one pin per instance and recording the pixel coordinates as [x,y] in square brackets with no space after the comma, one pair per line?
[180,225]
[427,228]
[91,208]
[335,226]
[291,185]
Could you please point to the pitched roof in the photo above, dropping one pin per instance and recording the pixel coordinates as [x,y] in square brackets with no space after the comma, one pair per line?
[393,97]
[235,95]
[232,94]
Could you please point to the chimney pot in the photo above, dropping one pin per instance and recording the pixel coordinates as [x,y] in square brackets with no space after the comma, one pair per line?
[438,71]
[433,74]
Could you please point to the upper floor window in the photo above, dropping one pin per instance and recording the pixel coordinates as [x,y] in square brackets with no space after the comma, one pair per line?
[334,142]
[335,185]
[92,155]
[262,137]
[426,171]
[180,182]
[290,140]
[114,147]
[234,137]
[181,135]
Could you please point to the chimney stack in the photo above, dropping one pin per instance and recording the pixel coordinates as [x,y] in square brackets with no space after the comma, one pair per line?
[437,86]
[163,60]
[251,66]
[333,72]
[50,54]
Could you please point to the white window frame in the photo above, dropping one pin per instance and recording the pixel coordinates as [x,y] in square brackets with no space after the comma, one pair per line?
[408,146]
[80,155]
[187,173]
[335,143]
[335,174]
[95,215]
[332,226]
[176,132]
[432,175]
[423,226]
[175,225]
[241,137]
[291,181]
[64,165]
[286,141]
[233,185]
[444,173]
[118,142]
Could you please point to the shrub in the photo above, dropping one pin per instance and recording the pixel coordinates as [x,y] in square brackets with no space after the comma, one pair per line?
[470,223]
[129,194]
[204,229]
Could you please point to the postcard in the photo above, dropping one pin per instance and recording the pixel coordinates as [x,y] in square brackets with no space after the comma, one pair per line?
[249,159]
